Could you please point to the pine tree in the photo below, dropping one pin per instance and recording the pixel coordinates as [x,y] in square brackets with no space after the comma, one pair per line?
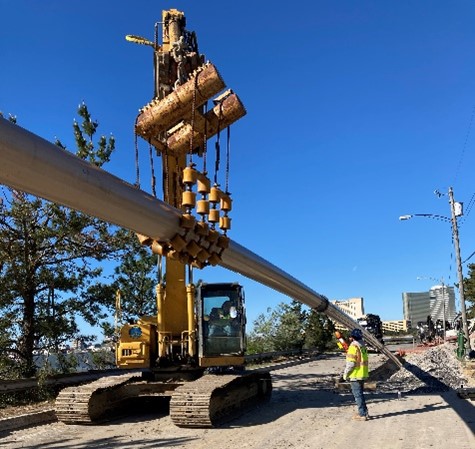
[136,278]
[290,332]
[49,270]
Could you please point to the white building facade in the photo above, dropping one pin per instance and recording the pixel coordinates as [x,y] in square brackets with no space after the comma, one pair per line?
[353,307]
[442,303]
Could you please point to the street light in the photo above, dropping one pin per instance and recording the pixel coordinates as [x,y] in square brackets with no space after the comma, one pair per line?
[456,210]
[440,281]
[434,216]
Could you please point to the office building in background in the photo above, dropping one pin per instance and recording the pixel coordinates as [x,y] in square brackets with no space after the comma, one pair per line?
[439,300]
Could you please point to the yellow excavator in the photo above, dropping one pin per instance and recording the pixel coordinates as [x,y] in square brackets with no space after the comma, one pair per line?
[200,328]
[196,329]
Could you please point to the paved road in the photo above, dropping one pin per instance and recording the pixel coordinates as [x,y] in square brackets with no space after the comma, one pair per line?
[303,413]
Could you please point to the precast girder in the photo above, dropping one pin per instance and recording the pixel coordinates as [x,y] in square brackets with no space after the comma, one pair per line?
[36,166]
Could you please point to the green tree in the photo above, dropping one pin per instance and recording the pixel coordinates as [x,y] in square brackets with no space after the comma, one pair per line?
[319,332]
[49,263]
[290,332]
[469,290]
[290,327]
[260,338]
[136,278]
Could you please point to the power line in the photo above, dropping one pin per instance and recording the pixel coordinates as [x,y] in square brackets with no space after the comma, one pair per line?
[457,171]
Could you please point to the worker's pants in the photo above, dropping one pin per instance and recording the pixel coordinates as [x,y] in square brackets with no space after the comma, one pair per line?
[357,390]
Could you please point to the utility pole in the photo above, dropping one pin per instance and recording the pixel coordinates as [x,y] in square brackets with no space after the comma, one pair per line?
[443,305]
[459,267]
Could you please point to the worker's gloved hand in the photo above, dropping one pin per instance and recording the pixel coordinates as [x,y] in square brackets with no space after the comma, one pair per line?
[344,376]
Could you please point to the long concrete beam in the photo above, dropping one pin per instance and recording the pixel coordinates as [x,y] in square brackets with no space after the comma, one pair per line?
[36,166]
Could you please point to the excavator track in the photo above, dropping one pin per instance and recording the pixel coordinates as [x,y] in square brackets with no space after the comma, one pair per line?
[84,404]
[215,398]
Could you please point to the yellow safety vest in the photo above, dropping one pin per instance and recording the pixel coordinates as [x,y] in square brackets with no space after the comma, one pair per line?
[358,354]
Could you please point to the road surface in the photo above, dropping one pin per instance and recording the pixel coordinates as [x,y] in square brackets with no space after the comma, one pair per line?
[305,412]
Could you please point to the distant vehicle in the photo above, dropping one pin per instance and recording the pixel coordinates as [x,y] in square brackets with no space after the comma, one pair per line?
[456,327]
[426,332]
[372,323]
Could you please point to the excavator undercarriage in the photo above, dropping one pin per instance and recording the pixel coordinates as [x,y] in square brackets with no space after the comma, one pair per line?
[205,402]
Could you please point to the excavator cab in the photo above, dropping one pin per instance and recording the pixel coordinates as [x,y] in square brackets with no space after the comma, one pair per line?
[221,324]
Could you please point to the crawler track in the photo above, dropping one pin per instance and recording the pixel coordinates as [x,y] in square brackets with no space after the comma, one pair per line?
[205,402]
[84,404]
[212,399]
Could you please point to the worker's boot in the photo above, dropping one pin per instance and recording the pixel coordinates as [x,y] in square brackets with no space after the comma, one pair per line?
[359,418]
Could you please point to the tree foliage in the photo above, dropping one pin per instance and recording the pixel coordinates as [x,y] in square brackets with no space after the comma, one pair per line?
[49,267]
[135,278]
[290,327]
[469,290]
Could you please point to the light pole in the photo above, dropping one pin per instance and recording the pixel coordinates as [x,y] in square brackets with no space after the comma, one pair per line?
[440,281]
[456,211]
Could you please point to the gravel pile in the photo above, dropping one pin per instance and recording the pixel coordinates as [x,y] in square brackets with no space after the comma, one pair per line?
[436,369]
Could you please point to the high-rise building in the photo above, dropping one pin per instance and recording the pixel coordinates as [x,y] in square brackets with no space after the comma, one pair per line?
[415,306]
[438,300]
[354,307]
[442,303]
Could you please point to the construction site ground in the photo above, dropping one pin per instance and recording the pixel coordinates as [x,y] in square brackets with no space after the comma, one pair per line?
[306,411]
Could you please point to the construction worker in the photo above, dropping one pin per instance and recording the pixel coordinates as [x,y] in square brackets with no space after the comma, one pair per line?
[356,371]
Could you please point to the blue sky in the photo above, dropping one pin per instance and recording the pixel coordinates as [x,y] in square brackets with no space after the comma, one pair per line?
[356,113]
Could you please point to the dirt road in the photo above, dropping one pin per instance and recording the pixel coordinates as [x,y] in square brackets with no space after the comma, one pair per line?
[304,412]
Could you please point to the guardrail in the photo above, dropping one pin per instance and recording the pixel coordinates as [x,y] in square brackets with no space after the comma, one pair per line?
[395,339]
[10,386]
[60,381]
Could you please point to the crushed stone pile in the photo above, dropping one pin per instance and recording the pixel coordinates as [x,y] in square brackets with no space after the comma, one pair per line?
[436,369]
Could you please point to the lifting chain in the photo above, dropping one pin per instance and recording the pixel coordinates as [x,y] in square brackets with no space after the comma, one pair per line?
[166,175]
[228,153]
[152,171]
[137,168]
[193,114]
[218,146]
[205,139]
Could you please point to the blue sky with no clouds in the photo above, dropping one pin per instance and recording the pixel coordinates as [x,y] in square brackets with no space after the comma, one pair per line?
[356,113]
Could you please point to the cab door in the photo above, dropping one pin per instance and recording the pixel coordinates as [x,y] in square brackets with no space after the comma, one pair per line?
[221,324]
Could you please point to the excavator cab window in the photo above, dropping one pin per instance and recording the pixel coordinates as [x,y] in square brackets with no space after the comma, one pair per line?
[221,319]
